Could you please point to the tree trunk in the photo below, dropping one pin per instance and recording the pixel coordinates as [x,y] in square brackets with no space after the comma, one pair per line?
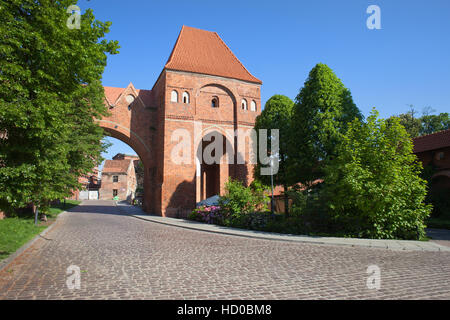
[286,201]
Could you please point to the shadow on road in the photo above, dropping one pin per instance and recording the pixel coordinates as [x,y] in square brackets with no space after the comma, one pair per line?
[100,207]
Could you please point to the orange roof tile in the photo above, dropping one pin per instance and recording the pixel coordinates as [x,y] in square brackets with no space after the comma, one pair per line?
[279,190]
[112,94]
[116,166]
[202,51]
[437,140]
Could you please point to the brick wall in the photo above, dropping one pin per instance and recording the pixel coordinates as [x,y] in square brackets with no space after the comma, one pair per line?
[182,187]
[171,189]
[440,159]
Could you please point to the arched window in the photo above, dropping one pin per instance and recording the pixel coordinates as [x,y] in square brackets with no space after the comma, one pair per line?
[185,97]
[174,96]
[215,102]
[244,104]
[253,105]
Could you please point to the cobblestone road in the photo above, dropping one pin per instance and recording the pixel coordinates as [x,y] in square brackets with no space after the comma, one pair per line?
[122,257]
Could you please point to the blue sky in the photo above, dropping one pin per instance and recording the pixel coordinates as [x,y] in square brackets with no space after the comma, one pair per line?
[406,62]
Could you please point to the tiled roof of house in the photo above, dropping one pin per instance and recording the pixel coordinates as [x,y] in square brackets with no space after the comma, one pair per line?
[116,166]
[113,93]
[204,52]
[279,190]
[437,140]
[123,156]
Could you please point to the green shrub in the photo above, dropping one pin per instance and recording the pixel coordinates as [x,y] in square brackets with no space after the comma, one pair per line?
[240,200]
[372,186]
[195,215]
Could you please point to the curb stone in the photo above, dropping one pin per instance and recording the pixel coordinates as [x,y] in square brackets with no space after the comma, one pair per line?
[394,245]
[7,261]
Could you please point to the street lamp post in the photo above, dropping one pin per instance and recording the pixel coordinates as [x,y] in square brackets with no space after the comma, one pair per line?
[36,214]
[272,202]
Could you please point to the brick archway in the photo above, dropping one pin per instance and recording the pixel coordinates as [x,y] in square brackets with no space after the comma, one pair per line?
[211,177]
[137,143]
[127,136]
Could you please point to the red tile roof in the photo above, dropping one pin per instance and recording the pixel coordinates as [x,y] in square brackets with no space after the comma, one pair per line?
[279,190]
[202,51]
[437,140]
[112,94]
[116,166]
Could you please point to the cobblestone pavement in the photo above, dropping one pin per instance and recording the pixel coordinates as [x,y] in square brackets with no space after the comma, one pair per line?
[439,236]
[122,257]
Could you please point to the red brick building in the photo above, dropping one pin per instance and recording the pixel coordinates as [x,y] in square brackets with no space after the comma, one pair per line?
[203,89]
[89,183]
[118,179]
[434,149]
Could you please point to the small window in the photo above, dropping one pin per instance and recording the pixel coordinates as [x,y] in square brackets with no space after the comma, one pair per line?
[244,104]
[440,156]
[115,192]
[253,106]
[115,178]
[174,96]
[185,97]
[215,102]
[130,99]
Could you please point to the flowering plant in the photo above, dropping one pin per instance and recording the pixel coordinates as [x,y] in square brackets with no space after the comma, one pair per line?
[208,214]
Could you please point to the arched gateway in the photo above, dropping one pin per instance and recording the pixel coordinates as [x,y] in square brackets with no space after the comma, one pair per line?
[200,90]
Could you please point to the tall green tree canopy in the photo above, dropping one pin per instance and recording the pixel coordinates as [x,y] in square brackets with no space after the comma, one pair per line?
[426,124]
[433,123]
[277,114]
[50,93]
[372,187]
[322,110]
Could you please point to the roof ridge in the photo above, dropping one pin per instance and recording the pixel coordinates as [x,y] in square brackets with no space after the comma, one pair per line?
[430,134]
[175,46]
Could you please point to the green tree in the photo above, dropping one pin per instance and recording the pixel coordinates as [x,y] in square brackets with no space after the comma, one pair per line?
[277,114]
[412,124]
[431,123]
[322,110]
[50,94]
[426,124]
[373,186]
[139,170]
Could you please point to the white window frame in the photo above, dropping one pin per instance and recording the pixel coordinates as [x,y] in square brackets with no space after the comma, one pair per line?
[174,96]
[186,96]
[244,104]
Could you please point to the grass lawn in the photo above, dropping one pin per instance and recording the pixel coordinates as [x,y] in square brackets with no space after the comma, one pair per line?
[15,232]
